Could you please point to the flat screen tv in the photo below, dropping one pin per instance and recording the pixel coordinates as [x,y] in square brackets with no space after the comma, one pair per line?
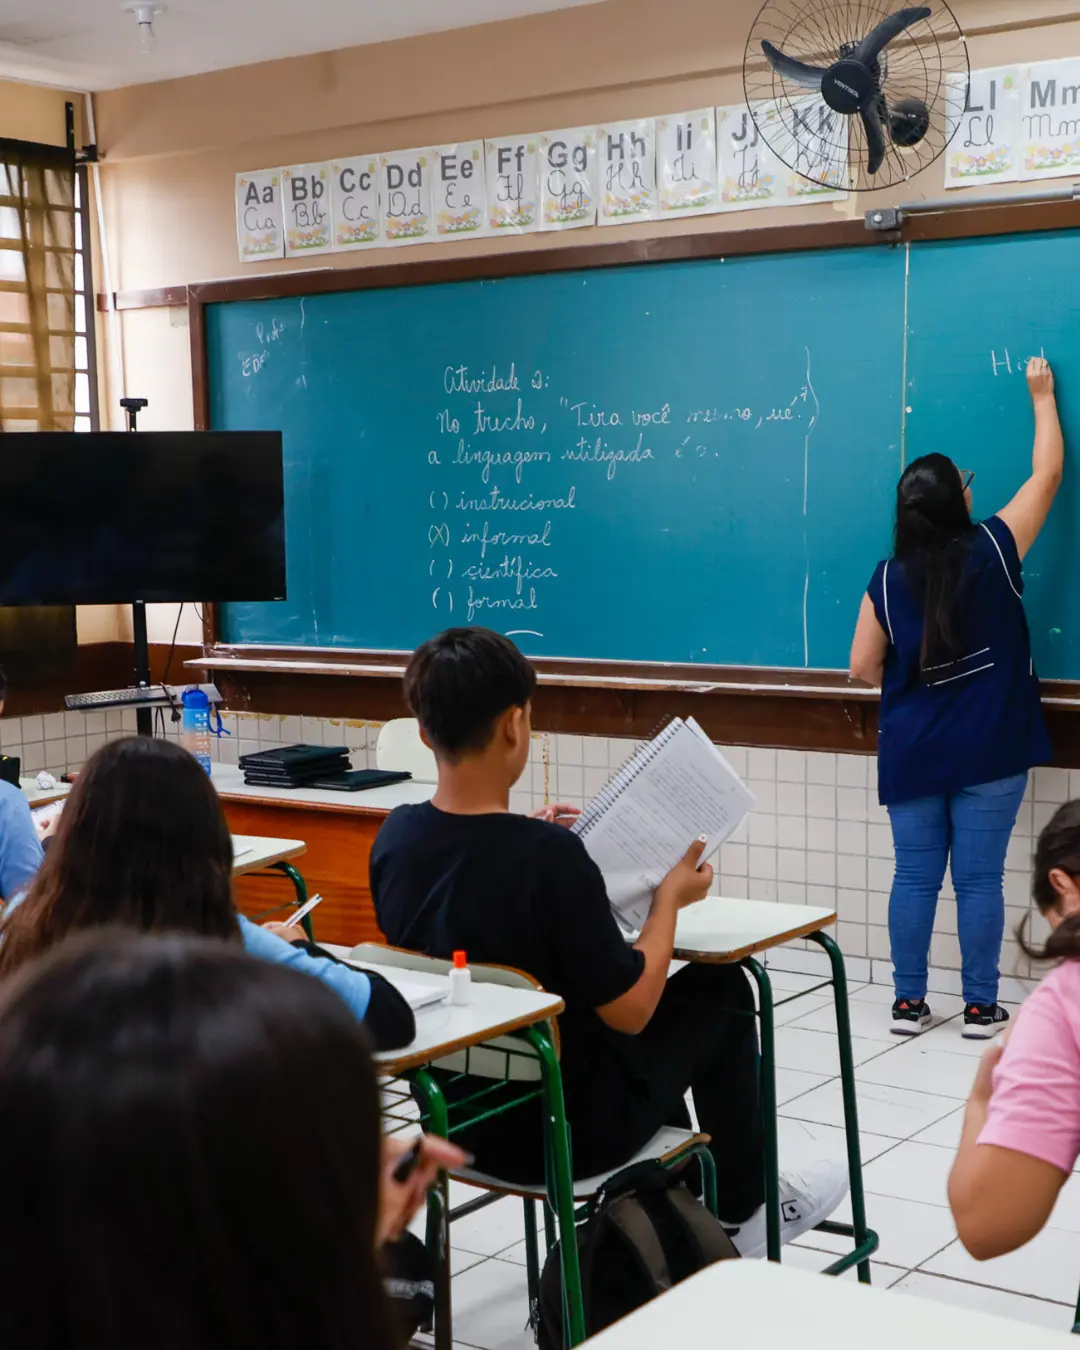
[103,518]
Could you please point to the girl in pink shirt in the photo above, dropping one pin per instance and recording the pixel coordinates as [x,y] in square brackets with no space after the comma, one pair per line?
[1022,1127]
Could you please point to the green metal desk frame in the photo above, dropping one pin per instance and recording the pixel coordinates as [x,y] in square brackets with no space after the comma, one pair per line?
[865,1239]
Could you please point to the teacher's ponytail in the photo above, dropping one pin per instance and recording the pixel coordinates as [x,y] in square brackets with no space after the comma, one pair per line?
[933,537]
[1058,850]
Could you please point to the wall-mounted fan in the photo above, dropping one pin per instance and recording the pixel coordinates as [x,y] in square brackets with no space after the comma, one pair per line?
[856,93]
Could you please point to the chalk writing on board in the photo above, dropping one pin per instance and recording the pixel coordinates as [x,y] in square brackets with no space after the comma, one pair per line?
[518,420]
[497,501]
[516,569]
[460,380]
[478,602]
[489,459]
[1004,363]
[600,452]
[488,538]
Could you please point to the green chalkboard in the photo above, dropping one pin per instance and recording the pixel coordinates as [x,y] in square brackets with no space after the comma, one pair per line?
[682,462]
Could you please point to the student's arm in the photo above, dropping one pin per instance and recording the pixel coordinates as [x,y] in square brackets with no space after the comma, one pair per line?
[373,1000]
[1021,1133]
[870,646]
[1026,514]
[20,849]
[686,884]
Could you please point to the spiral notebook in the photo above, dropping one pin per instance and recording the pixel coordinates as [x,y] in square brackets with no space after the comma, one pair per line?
[673,790]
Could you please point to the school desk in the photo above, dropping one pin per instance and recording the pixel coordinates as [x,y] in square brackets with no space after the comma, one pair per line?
[338,829]
[760,1304]
[721,932]
[42,796]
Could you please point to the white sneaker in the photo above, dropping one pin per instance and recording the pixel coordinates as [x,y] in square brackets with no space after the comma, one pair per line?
[807,1196]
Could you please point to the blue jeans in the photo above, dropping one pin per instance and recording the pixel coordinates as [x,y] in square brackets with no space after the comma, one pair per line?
[972,827]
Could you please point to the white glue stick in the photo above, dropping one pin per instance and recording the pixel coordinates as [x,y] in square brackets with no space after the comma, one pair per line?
[460,981]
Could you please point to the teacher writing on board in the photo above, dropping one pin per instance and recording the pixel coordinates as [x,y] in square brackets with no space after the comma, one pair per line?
[942,629]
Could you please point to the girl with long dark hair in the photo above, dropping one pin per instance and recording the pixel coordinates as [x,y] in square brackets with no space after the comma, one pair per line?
[942,629]
[1021,1136]
[194,1155]
[143,844]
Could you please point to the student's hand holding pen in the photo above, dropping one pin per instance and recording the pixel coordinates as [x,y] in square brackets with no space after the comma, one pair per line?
[558,813]
[410,1168]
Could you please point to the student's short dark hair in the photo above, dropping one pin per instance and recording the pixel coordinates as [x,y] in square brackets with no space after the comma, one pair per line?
[458,683]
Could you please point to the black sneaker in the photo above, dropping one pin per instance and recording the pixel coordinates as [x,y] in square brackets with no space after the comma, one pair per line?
[910,1017]
[983,1021]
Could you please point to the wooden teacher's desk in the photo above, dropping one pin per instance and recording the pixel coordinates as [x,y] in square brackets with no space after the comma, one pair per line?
[338,828]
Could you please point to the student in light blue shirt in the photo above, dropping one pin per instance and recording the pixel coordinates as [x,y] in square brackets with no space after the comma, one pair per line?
[143,844]
[20,848]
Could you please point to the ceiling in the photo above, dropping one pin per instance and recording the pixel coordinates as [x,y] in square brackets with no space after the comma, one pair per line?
[93,44]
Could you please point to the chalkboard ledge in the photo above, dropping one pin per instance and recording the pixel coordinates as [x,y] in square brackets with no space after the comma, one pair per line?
[693,679]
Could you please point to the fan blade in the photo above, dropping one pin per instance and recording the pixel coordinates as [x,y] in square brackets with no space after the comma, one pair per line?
[875,137]
[872,46]
[796,71]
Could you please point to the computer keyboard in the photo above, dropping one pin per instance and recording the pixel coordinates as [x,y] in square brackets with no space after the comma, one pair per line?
[154,695]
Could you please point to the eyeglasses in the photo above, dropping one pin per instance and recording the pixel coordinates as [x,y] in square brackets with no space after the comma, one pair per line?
[967,477]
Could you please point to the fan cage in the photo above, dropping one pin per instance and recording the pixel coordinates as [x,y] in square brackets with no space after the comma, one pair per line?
[928,62]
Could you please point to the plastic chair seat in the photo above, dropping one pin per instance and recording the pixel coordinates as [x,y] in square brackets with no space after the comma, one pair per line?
[663,1147]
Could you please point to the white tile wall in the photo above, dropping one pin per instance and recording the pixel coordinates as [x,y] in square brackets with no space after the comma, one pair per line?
[817,837]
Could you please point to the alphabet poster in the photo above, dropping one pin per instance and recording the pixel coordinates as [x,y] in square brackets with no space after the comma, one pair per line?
[354,200]
[750,175]
[406,196]
[513,184]
[626,161]
[814,143]
[305,194]
[259,229]
[568,179]
[986,146]
[1050,120]
[459,190]
[686,172]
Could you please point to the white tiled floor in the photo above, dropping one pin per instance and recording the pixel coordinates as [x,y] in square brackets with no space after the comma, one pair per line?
[911,1095]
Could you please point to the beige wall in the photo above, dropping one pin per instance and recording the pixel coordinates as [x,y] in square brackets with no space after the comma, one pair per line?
[172,149]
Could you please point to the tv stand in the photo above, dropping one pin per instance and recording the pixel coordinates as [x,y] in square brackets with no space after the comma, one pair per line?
[144,717]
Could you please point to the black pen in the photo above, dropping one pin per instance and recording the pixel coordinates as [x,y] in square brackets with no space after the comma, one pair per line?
[407,1162]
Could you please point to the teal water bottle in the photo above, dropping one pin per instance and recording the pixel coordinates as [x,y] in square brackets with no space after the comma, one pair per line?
[195,725]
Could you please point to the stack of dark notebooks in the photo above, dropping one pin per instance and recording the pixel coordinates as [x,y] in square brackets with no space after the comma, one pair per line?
[293,766]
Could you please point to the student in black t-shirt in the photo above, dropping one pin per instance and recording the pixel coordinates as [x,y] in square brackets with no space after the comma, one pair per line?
[464,873]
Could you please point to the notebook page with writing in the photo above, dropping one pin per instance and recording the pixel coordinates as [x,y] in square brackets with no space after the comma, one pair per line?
[668,794]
